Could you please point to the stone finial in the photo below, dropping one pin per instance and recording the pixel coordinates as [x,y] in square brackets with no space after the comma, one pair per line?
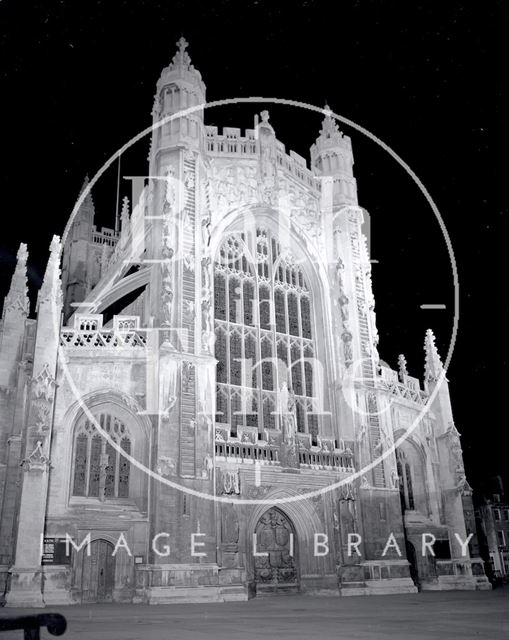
[265,115]
[17,297]
[87,209]
[124,216]
[181,57]
[51,289]
[182,45]
[85,183]
[124,221]
[329,125]
[330,138]
[403,371]
[433,367]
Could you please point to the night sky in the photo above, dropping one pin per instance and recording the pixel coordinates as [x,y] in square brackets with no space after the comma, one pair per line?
[77,80]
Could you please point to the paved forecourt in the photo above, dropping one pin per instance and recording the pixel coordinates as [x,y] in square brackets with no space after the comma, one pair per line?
[432,615]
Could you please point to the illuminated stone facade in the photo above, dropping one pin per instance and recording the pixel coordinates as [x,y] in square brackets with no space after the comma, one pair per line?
[217,360]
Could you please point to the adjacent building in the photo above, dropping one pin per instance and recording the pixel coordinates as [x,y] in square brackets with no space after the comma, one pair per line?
[493,525]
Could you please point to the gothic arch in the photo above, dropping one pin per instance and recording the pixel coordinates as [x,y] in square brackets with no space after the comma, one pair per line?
[303,517]
[124,409]
[411,453]
[306,523]
[315,273]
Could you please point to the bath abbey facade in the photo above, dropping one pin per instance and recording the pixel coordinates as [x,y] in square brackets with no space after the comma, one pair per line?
[197,410]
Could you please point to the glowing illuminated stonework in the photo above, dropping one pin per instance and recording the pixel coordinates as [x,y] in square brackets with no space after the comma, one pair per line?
[218,358]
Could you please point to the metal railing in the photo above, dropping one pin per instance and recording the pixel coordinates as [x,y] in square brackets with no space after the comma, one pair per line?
[31,625]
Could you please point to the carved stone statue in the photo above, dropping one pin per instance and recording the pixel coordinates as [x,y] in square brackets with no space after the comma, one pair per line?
[288,413]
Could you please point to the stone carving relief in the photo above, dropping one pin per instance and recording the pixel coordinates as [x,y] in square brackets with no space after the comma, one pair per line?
[348,492]
[187,371]
[258,492]
[343,303]
[229,187]
[37,460]
[207,334]
[43,388]
[229,482]
[267,171]
[166,466]
[188,311]
[456,460]
[168,248]
[207,467]
[301,208]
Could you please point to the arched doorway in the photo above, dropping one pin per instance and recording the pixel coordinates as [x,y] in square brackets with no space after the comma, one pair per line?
[98,573]
[276,570]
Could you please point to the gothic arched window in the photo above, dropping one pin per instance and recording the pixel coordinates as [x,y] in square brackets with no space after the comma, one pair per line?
[99,469]
[263,328]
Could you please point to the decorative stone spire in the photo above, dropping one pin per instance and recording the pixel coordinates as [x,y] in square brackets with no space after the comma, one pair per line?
[124,222]
[87,209]
[181,57]
[179,88]
[181,61]
[330,135]
[433,367]
[331,155]
[51,289]
[17,298]
[403,371]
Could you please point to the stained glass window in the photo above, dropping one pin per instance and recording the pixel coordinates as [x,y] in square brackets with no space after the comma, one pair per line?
[235,358]
[123,470]
[99,469]
[293,314]
[220,296]
[220,352]
[262,311]
[248,302]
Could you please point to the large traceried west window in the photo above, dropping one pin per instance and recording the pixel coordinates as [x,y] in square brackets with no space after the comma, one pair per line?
[264,337]
[100,470]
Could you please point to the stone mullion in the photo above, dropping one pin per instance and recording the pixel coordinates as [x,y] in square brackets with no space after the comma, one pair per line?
[259,377]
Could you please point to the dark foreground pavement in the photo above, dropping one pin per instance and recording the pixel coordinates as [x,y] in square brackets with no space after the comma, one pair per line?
[437,616]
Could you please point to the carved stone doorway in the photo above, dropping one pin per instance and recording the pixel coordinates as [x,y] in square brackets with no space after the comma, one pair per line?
[276,572]
[98,573]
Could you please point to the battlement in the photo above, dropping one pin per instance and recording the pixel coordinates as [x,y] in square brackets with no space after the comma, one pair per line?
[104,236]
[402,386]
[231,143]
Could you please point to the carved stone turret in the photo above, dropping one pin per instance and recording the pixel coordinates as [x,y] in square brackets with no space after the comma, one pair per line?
[75,262]
[180,87]
[433,367]
[331,155]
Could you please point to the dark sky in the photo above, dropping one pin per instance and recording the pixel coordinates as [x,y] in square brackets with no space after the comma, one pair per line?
[77,80]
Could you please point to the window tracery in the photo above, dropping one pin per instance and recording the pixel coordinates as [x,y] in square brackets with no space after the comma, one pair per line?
[99,469]
[263,332]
